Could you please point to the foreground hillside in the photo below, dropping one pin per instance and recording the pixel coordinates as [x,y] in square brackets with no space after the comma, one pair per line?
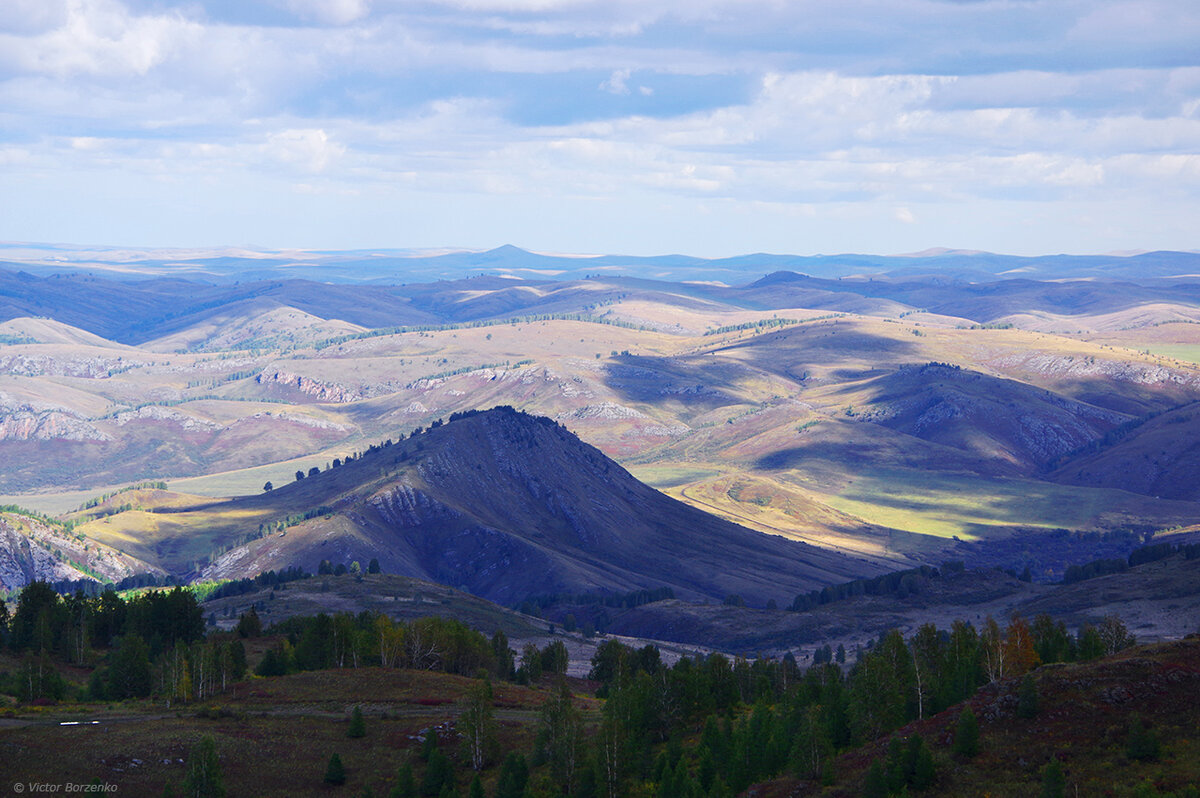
[1086,720]
[365,689]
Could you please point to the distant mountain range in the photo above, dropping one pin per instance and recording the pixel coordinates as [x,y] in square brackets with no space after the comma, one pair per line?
[170,308]
[393,266]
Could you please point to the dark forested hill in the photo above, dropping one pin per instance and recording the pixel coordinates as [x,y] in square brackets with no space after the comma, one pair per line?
[508,505]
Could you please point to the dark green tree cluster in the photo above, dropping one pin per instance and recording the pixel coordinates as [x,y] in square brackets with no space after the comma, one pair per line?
[366,639]
[47,627]
[1054,643]
[239,587]
[909,763]
[550,660]
[900,584]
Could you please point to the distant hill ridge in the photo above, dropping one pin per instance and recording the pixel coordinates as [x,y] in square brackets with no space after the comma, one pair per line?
[183,311]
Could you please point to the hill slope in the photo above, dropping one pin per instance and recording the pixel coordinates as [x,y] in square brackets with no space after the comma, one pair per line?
[33,549]
[506,505]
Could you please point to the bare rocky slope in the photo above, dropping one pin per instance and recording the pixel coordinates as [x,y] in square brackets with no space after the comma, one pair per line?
[33,549]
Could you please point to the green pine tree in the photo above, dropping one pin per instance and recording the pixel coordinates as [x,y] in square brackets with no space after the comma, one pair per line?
[358,727]
[439,772]
[1054,783]
[514,775]
[966,734]
[876,785]
[429,745]
[476,789]
[1027,698]
[335,773]
[924,772]
[1142,743]
[406,785]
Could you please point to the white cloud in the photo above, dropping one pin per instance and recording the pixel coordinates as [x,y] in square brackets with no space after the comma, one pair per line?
[616,83]
[331,12]
[97,37]
[31,16]
[867,103]
[309,149]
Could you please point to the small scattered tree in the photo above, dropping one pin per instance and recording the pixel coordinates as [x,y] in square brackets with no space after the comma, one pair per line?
[439,774]
[1142,743]
[203,778]
[358,727]
[966,734]
[477,726]
[268,487]
[876,785]
[1027,698]
[335,773]
[1114,636]
[1054,783]
[249,624]
[514,775]
[406,785]
[429,745]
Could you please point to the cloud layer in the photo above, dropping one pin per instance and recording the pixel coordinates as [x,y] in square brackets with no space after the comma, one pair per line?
[709,127]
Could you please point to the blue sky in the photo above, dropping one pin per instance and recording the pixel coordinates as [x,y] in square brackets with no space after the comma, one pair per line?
[706,127]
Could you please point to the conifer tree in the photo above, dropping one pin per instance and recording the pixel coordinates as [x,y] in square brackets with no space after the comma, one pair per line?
[1142,743]
[1027,698]
[439,773]
[923,770]
[876,785]
[335,772]
[514,775]
[358,727]
[406,785]
[1053,782]
[966,734]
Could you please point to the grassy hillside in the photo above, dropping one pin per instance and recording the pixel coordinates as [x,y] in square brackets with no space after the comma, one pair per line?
[273,737]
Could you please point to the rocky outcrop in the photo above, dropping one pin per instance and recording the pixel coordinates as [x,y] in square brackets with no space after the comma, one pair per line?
[168,415]
[47,425]
[317,389]
[33,549]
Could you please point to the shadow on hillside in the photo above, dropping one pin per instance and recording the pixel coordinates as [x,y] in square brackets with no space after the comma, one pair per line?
[823,344]
[839,453]
[643,378]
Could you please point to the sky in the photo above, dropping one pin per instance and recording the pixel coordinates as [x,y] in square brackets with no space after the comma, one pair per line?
[703,127]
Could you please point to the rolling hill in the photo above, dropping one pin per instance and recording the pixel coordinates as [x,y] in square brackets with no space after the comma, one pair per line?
[499,503]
